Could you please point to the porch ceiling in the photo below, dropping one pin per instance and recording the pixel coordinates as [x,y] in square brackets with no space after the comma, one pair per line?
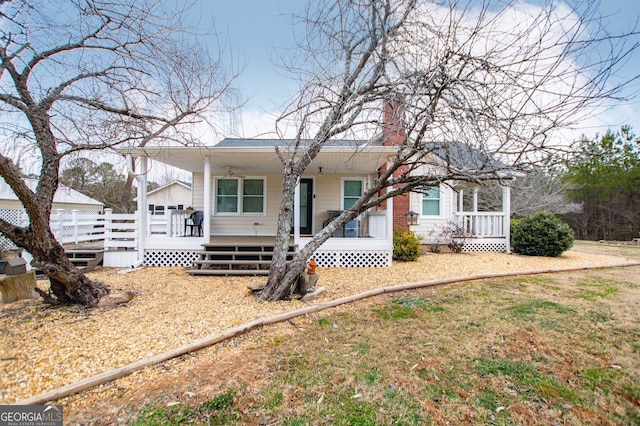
[264,160]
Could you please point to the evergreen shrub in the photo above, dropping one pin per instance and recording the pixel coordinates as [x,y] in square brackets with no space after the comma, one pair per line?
[406,246]
[541,234]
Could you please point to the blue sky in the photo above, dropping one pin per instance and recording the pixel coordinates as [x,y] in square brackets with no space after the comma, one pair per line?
[256,29]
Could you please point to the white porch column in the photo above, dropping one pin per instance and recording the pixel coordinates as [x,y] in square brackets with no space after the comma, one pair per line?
[475,200]
[506,210]
[206,224]
[461,201]
[478,227]
[142,207]
[389,233]
[296,213]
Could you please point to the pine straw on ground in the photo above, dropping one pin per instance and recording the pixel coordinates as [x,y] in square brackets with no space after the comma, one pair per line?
[43,348]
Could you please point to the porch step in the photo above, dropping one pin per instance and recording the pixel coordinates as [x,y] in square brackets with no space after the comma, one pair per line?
[85,259]
[236,259]
[212,272]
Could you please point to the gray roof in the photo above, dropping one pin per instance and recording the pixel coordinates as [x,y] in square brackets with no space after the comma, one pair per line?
[252,143]
[64,194]
[463,156]
[457,154]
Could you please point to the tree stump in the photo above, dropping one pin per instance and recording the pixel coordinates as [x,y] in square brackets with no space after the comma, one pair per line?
[17,287]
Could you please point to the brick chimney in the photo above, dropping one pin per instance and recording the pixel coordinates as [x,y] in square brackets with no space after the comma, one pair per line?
[394,133]
[393,125]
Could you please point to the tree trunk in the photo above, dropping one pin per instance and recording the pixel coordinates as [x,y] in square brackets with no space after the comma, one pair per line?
[68,284]
[125,200]
[283,277]
[279,285]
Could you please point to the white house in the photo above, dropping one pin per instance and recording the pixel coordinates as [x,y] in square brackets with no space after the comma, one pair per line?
[67,203]
[65,198]
[175,195]
[237,184]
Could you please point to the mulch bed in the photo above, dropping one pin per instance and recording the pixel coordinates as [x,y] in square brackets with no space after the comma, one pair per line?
[43,347]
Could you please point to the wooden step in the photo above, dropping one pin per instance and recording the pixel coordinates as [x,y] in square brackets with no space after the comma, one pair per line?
[228,272]
[85,259]
[232,262]
[240,256]
[236,259]
[262,248]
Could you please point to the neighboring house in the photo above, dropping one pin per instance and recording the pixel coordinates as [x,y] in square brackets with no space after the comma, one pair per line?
[65,198]
[66,201]
[238,186]
[175,195]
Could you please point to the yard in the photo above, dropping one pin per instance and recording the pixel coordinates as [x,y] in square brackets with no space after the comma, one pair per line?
[552,348]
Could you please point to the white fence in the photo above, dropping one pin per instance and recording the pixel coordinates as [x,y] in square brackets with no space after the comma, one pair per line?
[120,231]
[480,224]
[73,227]
[116,230]
[170,224]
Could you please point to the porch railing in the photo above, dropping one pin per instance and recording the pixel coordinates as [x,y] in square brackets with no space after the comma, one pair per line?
[116,230]
[170,224]
[73,226]
[480,224]
[121,231]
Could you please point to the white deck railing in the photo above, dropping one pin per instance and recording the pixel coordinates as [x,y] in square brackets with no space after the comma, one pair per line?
[170,224]
[121,231]
[480,224]
[73,226]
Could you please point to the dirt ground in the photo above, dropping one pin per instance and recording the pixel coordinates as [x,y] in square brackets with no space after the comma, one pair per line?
[171,309]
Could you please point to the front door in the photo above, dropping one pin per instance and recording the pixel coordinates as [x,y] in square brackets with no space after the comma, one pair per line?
[306,206]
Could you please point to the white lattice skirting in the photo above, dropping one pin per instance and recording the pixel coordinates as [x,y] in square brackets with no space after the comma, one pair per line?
[169,258]
[487,246]
[353,259]
[15,217]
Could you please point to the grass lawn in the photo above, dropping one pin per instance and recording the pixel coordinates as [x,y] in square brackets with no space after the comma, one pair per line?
[561,349]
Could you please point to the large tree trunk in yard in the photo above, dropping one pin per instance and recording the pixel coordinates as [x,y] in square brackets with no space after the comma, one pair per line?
[278,286]
[68,284]
[283,277]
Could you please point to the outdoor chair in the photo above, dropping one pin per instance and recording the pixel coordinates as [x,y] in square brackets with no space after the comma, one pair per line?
[194,221]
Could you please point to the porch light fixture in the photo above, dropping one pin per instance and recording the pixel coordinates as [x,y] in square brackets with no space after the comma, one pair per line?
[320,171]
[412,218]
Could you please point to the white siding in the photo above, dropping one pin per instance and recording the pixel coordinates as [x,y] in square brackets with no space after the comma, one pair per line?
[171,195]
[242,225]
[326,190]
[327,197]
[430,226]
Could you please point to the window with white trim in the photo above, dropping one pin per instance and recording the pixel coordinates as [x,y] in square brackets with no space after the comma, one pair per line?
[351,192]
[431,201]
[240,196]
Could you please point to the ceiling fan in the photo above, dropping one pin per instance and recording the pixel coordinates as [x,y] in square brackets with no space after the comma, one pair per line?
[230,173]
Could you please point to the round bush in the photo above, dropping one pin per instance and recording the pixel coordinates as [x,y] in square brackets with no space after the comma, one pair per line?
[406,246]
[541,234]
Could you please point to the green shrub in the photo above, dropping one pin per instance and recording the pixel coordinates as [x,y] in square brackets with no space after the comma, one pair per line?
[541,234]
[406,246]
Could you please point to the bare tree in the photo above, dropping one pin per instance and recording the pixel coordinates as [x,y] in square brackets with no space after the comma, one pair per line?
[498,76]
[194,87]
[533,191]
[85,75]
